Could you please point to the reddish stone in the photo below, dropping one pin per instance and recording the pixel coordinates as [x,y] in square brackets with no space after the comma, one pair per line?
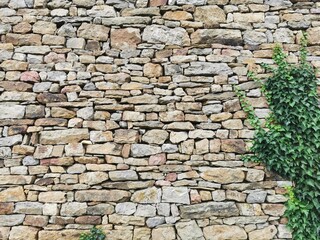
[6,208]
[36,221]
[63,161]
[171,177]
[50,97]
[158,159]
[94,220]
[155,3]
[54,58]
[30,76]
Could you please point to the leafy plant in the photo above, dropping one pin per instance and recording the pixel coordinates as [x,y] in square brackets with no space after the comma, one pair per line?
[94,234]
[290,144]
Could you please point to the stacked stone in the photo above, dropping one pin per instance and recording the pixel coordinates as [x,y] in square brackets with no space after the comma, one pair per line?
[122,114]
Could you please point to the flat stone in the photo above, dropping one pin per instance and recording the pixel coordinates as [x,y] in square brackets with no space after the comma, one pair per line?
[68,234]
[214,36]
[263,234]
[126,220]
[102,11]
[14,65]
[11,220]
[169,36]
[93,178]
[52,197]
[106,148]
[126,208]
[12,111]
[233,145]
[149,195]
[145,210]
[127,175]
[126,136]
[11,140]
[23,232]
[222,175]
[63,136]
[220,232]
[102,196]
[73,209]
[189,230]
[33,49]
[28,208]
[141,150]
[118,21]
[204,210]
[206,68]
[175,195]
[164,233]
[158,159]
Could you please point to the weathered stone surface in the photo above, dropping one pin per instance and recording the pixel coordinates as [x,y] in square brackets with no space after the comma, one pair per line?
[28,208]
[11,220]
[205,68]
[175,195]
[126,208]
[12,111]
[222,175]
[13,194]
[23,232]
[127,38]
[189,230]
[102,195]
[211,16]
[149,195]
[233,145]
[220,232]
[265,233]
[141,150]
[162,34]
[106,148]
[69,234]
[128,175]
[164,233]
[203,210]
[155,136]
[63,136]
[73,209]
[93,32]
[53,197]
[211,36]
[93,178]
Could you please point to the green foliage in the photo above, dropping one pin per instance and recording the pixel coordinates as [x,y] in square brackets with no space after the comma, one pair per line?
[290,145]
[94,234]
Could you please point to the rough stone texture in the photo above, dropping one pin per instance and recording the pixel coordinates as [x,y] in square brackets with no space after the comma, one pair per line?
[122,114]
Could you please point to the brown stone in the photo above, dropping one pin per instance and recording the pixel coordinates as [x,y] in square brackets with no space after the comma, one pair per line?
[63,136]
[69,234]
[273,209]
[15,86]
[233,145]
[125,38]
[94,220]
[222,175]
[263,234]
[152,70]
[155,3]
[52,197]
[221,232]
[22,27]
[14,65]
[36,220]
[23,39]
[23,232]
[93,32]
[6,208]
[177,15]
[50,97]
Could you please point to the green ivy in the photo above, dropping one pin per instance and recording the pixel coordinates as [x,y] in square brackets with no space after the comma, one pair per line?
[94,234]
[290,143]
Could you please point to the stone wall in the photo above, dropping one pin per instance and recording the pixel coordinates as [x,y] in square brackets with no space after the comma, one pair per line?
[122,114]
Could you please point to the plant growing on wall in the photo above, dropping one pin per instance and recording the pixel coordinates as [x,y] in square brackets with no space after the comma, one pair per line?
[290,144]
[94,234]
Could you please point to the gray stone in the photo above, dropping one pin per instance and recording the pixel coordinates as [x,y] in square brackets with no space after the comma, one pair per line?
[169,36]
[283,35]
[11,220]
[206,68]
[175,195]
[279,3]
[144,210]
[73,209]
[155,136]
[28,208]
[33,49]
[10,141]
[155,221]
[12,111]
[126,208]
[193,2]
[141,150]
[127,175]
[63,136]
[254,38]
[256,196]
[189,230]
[204,210]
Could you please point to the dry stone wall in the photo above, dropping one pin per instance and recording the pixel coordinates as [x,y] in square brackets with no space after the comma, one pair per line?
[122,114]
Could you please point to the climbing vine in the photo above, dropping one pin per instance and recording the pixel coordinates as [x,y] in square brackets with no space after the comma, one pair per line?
[290,143]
